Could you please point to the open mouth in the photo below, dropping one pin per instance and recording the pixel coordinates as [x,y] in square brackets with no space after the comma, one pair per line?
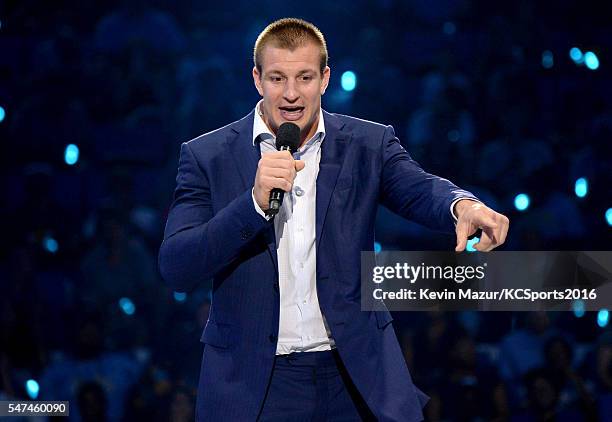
[291,112]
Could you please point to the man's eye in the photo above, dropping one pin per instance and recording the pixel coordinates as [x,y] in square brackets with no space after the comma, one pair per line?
[276,79]
[306,77]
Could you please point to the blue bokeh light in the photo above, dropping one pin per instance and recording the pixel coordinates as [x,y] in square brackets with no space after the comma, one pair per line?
[581,187]
[576,55]
[548,59]
[2,113]
[449,28]
[32,388]
[180,297]
[127,306]
[377,247]
[521,201]
[609,216]
[71,155]
[348,80]
[470,244]
[50,244]
[578,308]
[602,317]
[453,135]
[591,61]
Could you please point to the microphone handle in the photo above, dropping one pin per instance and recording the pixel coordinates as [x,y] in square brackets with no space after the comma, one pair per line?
[276,194]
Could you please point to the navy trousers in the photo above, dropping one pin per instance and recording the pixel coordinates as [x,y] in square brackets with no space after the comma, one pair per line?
[313,387]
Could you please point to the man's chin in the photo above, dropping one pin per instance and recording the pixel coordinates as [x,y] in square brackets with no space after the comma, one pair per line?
[299,122]
[302,123]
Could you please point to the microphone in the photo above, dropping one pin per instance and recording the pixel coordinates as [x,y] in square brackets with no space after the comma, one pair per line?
[287,139]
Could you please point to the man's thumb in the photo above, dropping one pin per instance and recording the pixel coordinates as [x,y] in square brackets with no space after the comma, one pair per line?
[299,165]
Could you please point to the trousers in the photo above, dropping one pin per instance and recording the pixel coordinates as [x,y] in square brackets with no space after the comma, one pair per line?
[313,387]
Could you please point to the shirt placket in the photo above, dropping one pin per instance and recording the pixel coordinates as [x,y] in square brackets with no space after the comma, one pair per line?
[298,248]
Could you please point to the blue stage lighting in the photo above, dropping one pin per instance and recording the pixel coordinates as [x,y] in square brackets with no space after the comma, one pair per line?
[602,317]
[548,59]
[581,187]
[578,308]
[348,80]
[471,243]
[71,155]
[590,60]
[32,388]
[127,306]
[377,247]
[180,297]
[50,244]
[609,216]
[2,113]
[521,201]
[576,55]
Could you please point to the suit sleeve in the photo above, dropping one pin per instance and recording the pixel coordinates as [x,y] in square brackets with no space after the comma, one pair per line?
[413,193]
[198,245]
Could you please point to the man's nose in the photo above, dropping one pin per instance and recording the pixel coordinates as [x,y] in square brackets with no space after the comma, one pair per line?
[291,94]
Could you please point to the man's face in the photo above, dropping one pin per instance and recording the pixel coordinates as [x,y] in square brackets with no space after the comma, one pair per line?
[291,85]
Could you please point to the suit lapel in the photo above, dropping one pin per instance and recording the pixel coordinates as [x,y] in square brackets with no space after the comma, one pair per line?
[333,149]
[245,154]
[246,157]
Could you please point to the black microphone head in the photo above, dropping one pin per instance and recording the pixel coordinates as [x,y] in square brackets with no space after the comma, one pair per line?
[288,135]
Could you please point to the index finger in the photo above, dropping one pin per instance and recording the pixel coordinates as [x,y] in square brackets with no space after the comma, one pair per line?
[462,231]
[278,159]
[277,154]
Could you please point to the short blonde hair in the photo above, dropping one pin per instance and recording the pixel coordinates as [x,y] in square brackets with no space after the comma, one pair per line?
[290,33]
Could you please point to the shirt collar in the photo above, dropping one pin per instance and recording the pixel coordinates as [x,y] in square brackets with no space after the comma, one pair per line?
[260,129]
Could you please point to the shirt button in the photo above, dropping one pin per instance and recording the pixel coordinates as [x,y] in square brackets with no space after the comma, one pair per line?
[299,191]
[304,302]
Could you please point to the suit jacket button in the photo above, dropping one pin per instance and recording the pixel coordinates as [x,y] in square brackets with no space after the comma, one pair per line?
[272,338]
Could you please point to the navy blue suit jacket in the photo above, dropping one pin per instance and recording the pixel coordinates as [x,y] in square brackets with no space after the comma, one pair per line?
[213,232]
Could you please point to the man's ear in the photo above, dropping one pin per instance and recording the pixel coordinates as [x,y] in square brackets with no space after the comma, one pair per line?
[257,80]
[325,81]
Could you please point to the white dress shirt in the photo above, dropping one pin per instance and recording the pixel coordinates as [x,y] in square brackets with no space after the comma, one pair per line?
[302,327]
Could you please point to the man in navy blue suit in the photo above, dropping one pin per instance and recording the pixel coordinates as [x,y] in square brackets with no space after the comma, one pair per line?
[286,338]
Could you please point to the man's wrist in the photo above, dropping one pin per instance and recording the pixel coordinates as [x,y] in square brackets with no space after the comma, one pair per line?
[258,208]
[459,205]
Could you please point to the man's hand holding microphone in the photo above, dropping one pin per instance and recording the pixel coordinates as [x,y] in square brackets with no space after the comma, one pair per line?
[276,171]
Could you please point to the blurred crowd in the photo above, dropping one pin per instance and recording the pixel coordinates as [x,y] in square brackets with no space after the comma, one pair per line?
[510,367]
[83,311]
